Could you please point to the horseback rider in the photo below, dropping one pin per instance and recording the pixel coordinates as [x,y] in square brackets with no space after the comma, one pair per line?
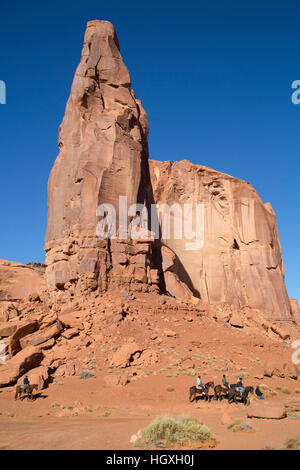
[25,383]
[240,386]
[224,382]
[200,384]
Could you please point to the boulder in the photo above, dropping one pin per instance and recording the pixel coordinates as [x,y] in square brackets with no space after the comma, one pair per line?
[168,258]
[71,319]
[21,363]
[169,333]
[266,410]
[41,336]
[175,287]
[187,363]
[123,356]
[8,329]
[70,333]
[236,320]
[24,328]
[147,358]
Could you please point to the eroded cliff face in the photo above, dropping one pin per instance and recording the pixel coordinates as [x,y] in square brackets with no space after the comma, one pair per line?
[240,261]
[103,154]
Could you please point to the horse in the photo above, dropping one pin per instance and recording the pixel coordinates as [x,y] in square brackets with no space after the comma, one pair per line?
[29,391]
[220,391]
[198,391]
[235,393]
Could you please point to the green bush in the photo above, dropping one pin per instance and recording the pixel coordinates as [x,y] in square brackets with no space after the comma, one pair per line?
[171,430]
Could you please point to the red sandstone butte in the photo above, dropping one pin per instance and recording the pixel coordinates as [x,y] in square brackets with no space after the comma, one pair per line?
[103,143]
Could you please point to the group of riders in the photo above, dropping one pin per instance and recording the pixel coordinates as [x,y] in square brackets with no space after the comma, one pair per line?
[239,387]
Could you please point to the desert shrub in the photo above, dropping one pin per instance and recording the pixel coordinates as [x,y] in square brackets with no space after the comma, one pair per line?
[91,407]
[55,405]
[263,386]
[285,390]
[171,430]
[239,425]
[242,374]
[191,372]
[297,390]
[291,444]
[86,374]
[170,389]
[271,393]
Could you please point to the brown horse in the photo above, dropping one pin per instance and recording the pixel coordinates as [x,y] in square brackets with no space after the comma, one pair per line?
[220,392]
[29,391]
[198,391]
[235,393]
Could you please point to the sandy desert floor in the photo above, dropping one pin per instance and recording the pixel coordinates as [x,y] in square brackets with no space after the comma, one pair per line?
[84,414]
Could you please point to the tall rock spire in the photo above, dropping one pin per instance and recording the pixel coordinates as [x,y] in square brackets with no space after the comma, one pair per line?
[103,154]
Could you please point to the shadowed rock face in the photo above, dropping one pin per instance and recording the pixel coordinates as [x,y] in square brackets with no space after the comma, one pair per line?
[241,260]
[103,154]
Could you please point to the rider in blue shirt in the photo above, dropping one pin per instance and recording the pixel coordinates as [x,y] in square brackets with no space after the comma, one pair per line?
[25,383]
[240,385]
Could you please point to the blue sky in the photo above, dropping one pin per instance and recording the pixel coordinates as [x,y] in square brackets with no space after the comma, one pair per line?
[214,77]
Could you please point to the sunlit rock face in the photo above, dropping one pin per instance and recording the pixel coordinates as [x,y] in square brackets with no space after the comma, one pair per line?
[103,155]
[239,260]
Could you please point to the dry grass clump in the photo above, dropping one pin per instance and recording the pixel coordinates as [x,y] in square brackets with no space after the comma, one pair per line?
[239,425]
[290,444]
[167,430]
